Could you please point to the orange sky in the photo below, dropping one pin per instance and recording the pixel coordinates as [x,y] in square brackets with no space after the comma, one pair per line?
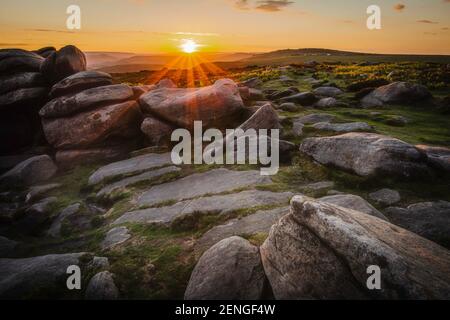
[158,26]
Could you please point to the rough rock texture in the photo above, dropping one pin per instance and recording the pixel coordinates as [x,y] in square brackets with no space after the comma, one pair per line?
[265,118]
[80,81]
[92,127]
[328,91]
[10,83]
[343,127]
[368,154]
[130,166]
[430,220]
[259,222]
[31,171]
[36,192]
[20,278]
[18,60]
[199,184]
[85,100]
[158,132]
[322,251]
[326,103]
[70,158]
[102,287]
[63,63]
[304,99]
[397,92]
[372,83]
[216,105]
[115,237]
[438,157]
[36,217]
[353,202]
[386,197]
[109,190]
[315,118]
[230,270]
[184,211]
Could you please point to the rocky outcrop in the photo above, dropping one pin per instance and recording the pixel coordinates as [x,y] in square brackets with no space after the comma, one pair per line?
[63,63]
[90,120]
[323,251]
[230,270]
[438,157]
[397,92]
[368,154]
[23,91]
[158,132]
[430,220]
[216,106]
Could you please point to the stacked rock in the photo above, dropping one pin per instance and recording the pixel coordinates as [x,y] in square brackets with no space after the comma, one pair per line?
[23,91]
[89,119]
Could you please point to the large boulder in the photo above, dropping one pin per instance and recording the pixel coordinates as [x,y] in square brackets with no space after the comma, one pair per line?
[63,63]
[397,92]
[430,220]
[73,157]
[354,202]
[230,270]
[85,100]
[328,91]
[80,81]
[324,251]
[265,118]
[92,127]
[216,105]
[102,287]
[368,154]
[31,171]
[158,132]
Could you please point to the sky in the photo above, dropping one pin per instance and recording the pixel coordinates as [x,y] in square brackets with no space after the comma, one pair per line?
[160,26]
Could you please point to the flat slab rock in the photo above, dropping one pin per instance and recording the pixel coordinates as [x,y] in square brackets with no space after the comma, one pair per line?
[220,204]
[230,270]
[200,184]
[322,251]
[368,154]
[110,189]
[130,166]
[115,237]
[430,220]
[343,127]
[259,222]
[354,202]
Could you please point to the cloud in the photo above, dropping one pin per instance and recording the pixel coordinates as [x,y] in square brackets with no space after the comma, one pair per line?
[49,30]
[399,7]
[262,5]
[198,34]
[273,5]
[427,21]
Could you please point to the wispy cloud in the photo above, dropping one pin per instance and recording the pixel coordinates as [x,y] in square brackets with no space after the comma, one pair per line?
[399,7]
[262,5]
[427,21]
[273,5]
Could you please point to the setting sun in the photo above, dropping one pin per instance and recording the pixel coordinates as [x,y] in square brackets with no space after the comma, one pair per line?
[189,46]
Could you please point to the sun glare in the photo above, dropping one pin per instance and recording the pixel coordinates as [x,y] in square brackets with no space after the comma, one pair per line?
[189,46]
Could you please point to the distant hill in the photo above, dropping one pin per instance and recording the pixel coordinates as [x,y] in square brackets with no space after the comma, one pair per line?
[117,62]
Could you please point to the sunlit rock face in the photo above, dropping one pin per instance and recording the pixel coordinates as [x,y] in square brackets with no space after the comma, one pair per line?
[217,105]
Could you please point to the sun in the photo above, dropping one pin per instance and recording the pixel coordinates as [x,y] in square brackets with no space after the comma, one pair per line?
[189,46]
